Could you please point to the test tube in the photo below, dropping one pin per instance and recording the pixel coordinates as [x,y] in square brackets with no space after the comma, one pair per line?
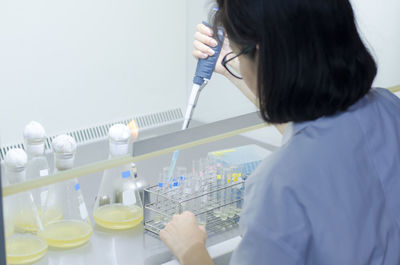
[202,219]
[225,194]
[197,177]
[167,187]
[233,193]
[239,195]
[181,178]
[204,185]
[218,193]
[167,182]
[187,186]
[181,175]
[160,189]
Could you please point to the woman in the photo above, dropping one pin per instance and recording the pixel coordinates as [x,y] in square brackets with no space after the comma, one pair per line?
[331,193]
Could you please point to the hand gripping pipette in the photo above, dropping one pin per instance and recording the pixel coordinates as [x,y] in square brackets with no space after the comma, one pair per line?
[204,71]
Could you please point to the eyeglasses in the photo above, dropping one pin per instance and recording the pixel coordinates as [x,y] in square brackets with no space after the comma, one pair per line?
[231,62]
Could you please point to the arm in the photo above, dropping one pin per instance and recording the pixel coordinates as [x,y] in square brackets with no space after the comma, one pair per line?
[197,254]
[186,240]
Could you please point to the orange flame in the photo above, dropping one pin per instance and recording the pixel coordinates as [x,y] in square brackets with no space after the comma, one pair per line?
[132,125]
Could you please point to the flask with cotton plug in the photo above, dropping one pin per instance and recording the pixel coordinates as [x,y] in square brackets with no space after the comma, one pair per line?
[118,204]
[67,224]
[38,166]
[23,223]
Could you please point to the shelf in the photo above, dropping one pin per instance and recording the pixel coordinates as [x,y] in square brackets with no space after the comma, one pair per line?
[395,89]
[153,147]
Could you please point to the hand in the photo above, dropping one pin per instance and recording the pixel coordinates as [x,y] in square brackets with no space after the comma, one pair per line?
[183,233]
[203,40]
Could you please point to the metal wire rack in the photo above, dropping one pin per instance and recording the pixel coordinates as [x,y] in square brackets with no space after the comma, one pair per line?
[216,202]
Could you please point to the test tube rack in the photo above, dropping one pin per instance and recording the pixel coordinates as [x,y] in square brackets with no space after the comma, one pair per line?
[209,199]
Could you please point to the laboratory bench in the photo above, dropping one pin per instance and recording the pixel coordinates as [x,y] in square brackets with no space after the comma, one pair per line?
[150,155]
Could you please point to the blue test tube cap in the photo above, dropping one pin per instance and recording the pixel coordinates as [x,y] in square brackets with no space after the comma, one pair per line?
[175,183]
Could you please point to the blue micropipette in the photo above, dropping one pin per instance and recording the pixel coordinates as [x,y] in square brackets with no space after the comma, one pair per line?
[204,71]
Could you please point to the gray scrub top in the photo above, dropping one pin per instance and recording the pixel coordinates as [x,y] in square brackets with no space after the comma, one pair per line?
[331,194]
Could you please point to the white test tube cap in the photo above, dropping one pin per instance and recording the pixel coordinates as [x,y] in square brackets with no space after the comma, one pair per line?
[64,148]
[119,135]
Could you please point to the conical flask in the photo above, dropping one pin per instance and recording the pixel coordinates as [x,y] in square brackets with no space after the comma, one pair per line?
[22,219]
[118,204]
[38,166]
[66,222]
[8,224]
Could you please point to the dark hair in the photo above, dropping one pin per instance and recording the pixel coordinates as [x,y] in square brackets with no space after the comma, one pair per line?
[311,59]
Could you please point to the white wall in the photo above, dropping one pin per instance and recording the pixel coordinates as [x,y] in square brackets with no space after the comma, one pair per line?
[379,23]
[71,64]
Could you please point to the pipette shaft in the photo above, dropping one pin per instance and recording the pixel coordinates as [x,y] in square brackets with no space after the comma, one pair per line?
[204,71]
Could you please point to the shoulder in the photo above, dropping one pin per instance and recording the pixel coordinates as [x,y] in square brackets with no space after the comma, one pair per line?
[382,94]
[293,164]
[377,103]
[316,148]
[303,163]
[273,187]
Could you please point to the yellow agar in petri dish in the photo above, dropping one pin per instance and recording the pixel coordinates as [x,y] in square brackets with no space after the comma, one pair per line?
[67,233]
[24,249]
[118,216]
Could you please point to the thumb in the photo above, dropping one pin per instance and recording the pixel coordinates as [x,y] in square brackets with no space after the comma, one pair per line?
[203,229]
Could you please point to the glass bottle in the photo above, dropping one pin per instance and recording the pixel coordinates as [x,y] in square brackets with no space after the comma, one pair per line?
[22,219]
[65,216]
[38,166]
[118,203]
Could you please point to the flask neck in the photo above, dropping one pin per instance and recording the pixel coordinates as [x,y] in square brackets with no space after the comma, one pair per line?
[118,149]
[64,161]
[35,150]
